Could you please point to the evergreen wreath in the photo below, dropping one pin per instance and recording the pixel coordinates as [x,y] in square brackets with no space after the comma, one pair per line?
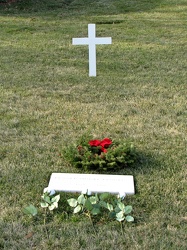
[101,155]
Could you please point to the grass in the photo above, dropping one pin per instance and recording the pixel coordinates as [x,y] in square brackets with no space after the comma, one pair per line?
[48,101]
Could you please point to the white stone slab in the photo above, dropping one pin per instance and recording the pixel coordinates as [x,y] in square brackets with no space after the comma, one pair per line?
[92,41]
[92,183]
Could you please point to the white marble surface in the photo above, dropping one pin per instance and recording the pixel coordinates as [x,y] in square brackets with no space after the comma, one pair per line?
[92,183]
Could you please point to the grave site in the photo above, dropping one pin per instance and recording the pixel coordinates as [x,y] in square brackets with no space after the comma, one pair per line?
[93,114]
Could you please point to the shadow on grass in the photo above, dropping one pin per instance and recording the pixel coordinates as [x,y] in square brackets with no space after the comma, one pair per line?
[77,7]
[146,162]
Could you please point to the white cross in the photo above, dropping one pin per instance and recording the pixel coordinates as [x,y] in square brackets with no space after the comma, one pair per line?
[91,41]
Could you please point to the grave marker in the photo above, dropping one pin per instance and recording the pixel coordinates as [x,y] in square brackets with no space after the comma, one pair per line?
[92,183]
[92,41]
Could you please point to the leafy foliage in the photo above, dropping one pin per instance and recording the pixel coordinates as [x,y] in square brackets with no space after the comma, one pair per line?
[30,210]
[94,205]
[49,202]
[90,205]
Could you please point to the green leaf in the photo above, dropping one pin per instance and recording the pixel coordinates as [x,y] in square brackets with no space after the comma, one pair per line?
[95,211]
[109,207]
[53,206]
[129,218]
[120,216]
[46,199]
[30,210]
[128,209]
[77,209]
[72,202]
[93,200]
[104,196]
[44,204]
[121,206]
[103,204]
[56,198]
[88,205]
[117,209]
[96,197]
[81,199]
[112,215]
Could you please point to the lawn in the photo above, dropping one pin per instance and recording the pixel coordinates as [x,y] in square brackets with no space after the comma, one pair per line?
[47,101]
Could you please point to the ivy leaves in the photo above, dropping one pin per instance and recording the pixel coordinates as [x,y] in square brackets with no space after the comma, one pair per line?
[30,210]
[121,212]
[90,205]
[94,205]
[50,202]
[84,203]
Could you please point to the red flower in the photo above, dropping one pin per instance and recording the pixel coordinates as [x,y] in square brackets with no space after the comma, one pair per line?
[94,143]
[105,143]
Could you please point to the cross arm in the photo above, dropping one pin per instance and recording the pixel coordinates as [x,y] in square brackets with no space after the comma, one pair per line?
[80,41]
